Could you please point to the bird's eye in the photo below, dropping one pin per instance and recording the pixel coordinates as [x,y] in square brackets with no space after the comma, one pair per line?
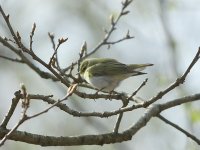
[83,68]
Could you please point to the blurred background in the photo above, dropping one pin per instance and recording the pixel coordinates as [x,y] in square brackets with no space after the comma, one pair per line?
[166,34]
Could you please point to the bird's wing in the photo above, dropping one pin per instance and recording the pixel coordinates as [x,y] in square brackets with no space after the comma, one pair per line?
[110,68]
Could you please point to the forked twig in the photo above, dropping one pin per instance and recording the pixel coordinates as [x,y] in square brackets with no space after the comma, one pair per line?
[114,22]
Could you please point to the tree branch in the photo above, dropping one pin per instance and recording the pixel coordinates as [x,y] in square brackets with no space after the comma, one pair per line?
[194,138]
[114,22]
[58,75]
[178,81]
[15,101]
[101,138]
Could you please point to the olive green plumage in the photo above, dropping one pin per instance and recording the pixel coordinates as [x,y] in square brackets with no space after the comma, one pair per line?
[106,73]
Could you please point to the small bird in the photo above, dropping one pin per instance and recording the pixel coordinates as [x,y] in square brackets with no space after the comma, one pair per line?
[105,74]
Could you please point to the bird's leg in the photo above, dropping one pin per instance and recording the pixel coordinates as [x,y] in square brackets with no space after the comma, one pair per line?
[110,94]
[98,90]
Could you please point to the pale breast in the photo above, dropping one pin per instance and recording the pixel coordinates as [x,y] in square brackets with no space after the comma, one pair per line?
[103,83]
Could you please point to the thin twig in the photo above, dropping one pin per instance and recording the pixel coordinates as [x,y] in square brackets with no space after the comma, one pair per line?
[12,59]
[16,37]
[114,22]
[194,138]
[31,36]
[125,103]
[81,54]
[178,81]
[117,41]
[99,139]
[55,73]
[60,42]
[117,124]
[70,92]
[43,74]
[154,110]
[75,113]
[7,136]
[10,40]
[25,105]
[51,36]
[136,91]
[120,40]
[13,105]
[84,95]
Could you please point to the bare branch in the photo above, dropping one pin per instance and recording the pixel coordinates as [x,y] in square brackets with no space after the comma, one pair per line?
[70,92]
[75,113]
[95,139]
[120,40]
[9,40]
[134,93]
[6,18]
[31,36]
[180,101]
[70,111]
[99,139]
[13,105]
[125,103]
[12,59]
[60,42]
[69,81]
[81,54]
[194,138]
[8,135]
[17,39]
[114,22]
[25,105]
[51,36]
[178,81]
[43,74]
[117,124]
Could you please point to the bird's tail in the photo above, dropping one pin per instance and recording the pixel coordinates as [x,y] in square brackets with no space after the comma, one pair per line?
[139,67]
